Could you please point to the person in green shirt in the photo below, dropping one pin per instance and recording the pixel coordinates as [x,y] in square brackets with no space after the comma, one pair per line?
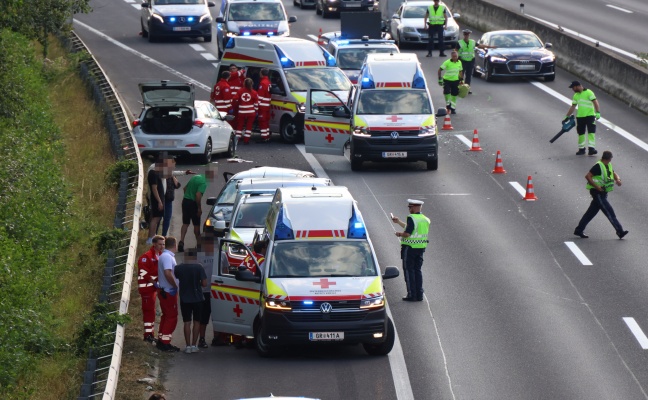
[586,116]
[450,76]
[191,208]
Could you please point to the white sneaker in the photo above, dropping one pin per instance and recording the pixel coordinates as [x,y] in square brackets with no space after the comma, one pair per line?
[194,349]
[188,350]
[149,241]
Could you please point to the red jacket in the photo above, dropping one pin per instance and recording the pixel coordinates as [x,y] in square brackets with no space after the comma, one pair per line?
[236,81]
[147,266]
[221,96]
[247,102]
[249,263]
[264,93]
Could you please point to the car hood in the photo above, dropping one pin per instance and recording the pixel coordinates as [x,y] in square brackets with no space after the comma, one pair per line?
[245,235]
[395,122]
[418,23]
[520,53]
[165,93]
[324,288]
[352,74]
[257,27]
[180,9]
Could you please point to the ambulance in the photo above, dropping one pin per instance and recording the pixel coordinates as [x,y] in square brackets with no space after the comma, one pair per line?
[295,65]
[320,281]
[389,115]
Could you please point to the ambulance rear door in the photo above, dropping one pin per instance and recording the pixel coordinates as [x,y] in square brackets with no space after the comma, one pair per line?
[327,123]
[235,303]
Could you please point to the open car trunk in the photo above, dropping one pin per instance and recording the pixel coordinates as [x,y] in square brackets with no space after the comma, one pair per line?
[167,120]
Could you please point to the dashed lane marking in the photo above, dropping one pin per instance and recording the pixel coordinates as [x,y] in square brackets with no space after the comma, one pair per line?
[578,253]
[465,140]
[519,188]
[637,332]
[619,8]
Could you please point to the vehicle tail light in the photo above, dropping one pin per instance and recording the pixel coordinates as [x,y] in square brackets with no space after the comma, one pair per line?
[136,123]
[198,123]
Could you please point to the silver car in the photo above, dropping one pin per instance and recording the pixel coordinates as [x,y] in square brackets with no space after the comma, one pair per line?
[407,25]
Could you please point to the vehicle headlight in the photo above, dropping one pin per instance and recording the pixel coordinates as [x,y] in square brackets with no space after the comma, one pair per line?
[374,302]
[158,17]
[451,29]
[498,59]
[427,131]
[283,33]
[301,108]
[361,131]
[276,304]
[205,17]
[547,59]
[236,251]
[409,29]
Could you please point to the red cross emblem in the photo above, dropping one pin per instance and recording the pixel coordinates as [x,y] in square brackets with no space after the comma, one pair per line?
[238,310]
[246,97]
[394,118]
[329,138]
[324,283]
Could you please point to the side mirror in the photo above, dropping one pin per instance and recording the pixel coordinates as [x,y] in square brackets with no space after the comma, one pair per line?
[441,112]
[391,272]
[456,15]
[229,117]
[247,276]
[292,19]
[220,226]
[395,16]
[211,201]
[145,5]
[220,20]
[548,45]
[342,112]
[211,4]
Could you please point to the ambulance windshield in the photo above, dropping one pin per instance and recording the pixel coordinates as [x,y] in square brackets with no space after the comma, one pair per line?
[353,58]
[379,102]
[302,79]
[254,11]
[321,258]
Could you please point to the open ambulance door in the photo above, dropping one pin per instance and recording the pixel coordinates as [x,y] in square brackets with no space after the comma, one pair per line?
[327,123]
[235,303]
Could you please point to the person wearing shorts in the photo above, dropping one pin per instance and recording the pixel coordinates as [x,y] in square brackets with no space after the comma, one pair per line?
[191,203]
[192,279]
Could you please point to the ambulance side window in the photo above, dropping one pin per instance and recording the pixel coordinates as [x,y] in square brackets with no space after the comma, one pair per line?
[277,82]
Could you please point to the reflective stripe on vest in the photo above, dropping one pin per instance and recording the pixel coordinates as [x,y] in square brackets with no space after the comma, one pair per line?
[604,181]
[466,50]
[436,17]
[451,70]
[418,239]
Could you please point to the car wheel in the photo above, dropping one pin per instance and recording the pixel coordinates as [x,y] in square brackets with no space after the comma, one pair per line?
[144,31]
[207,155]
[550,78]
[325,14]
[289,132]
[488,72]
[296,3]
[385,347]
[151,36]
[263,348]
[433,165]
[231,149]
[207,38]
[318,10]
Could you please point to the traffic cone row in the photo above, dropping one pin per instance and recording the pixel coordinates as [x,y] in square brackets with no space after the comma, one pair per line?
[475,142]
[499,166]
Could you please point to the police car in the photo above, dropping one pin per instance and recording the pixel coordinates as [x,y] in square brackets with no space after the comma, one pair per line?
[351,53]
[320,281]
[390,116]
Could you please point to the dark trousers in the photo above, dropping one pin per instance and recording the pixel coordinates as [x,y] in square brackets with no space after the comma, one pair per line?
[468,67]
[412,263]
[599,202]
[166,219]
[438,30]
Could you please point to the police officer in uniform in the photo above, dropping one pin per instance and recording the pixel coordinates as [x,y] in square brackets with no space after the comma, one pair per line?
[414,240]
[600,181]
[466,49]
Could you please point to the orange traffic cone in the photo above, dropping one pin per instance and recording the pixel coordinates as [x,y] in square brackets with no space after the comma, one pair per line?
[499,167]
[475,142]
[530,194]
[447,124]
[319,38]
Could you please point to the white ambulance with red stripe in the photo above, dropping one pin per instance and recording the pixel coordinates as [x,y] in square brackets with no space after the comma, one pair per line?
[320,281]
[389,115]
[295,65]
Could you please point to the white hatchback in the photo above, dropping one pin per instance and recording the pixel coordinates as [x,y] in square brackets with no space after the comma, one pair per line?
[172,121]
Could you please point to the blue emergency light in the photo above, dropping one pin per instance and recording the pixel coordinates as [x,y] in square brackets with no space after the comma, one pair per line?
[308,302]
[270,33]
[419,80]
[230,43]
[342,42]
[190,19]
[283,231]
[367,81]
[330,60]
[357,228]
[246,33]
[283,59]
[172,19]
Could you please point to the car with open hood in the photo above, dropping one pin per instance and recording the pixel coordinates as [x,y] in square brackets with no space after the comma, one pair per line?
[176,18]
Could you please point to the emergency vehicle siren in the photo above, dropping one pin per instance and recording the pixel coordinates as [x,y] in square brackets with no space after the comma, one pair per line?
[447,124]
[530,194]
[475,142]
[499,167]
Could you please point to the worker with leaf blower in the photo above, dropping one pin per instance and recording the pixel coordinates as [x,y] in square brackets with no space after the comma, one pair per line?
[586,116]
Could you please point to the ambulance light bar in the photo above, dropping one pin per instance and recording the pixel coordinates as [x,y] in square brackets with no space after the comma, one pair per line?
[285,61]
[230,43]
[330,60]
[283,231]
[357,228]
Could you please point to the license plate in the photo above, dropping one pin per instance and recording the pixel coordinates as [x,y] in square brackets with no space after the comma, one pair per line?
[165,143]
[181,28]
[525,67]
[394,154]
[351,5]
[326,336]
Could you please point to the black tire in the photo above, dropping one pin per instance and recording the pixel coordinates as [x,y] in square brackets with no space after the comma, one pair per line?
[488,72]
[206,157]
[433,165]
[289,132]
[318,11]
[475,73]
[385,347]
[151,37]
[263,348]
[550,78]
[356,165]
[207,38]
[231,149]
[144,31]
[325,14]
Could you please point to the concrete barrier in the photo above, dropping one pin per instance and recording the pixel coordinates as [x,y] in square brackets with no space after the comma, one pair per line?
[619,77]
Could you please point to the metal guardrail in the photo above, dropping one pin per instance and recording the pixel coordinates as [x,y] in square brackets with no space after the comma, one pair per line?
[103,363]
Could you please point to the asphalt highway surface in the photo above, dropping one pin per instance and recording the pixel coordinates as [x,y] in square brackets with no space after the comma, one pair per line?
[516,306]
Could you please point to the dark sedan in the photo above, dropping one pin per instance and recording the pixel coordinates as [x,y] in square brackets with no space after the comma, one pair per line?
[516,53]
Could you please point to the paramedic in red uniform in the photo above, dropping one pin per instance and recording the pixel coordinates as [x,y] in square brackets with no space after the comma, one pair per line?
[259,248]
[221,95]
[147,265]
[236,79]
[246,104]
[264,105]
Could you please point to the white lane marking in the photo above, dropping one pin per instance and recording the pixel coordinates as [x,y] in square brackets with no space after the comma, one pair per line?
[578,253]
[313,37]
[137,6]
[602,121]
[465,140]
[215,65]
[519,188]
[637,332]
[208,56]
[619,8]
[145,57]
[580,35]
[397,364]
[130,1]
[197,47]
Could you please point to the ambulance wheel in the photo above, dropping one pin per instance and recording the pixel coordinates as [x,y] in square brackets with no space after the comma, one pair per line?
[385,347]
[289,132]
[263,348]
[433,165]
[356,165]
[206,157]
[550,78]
